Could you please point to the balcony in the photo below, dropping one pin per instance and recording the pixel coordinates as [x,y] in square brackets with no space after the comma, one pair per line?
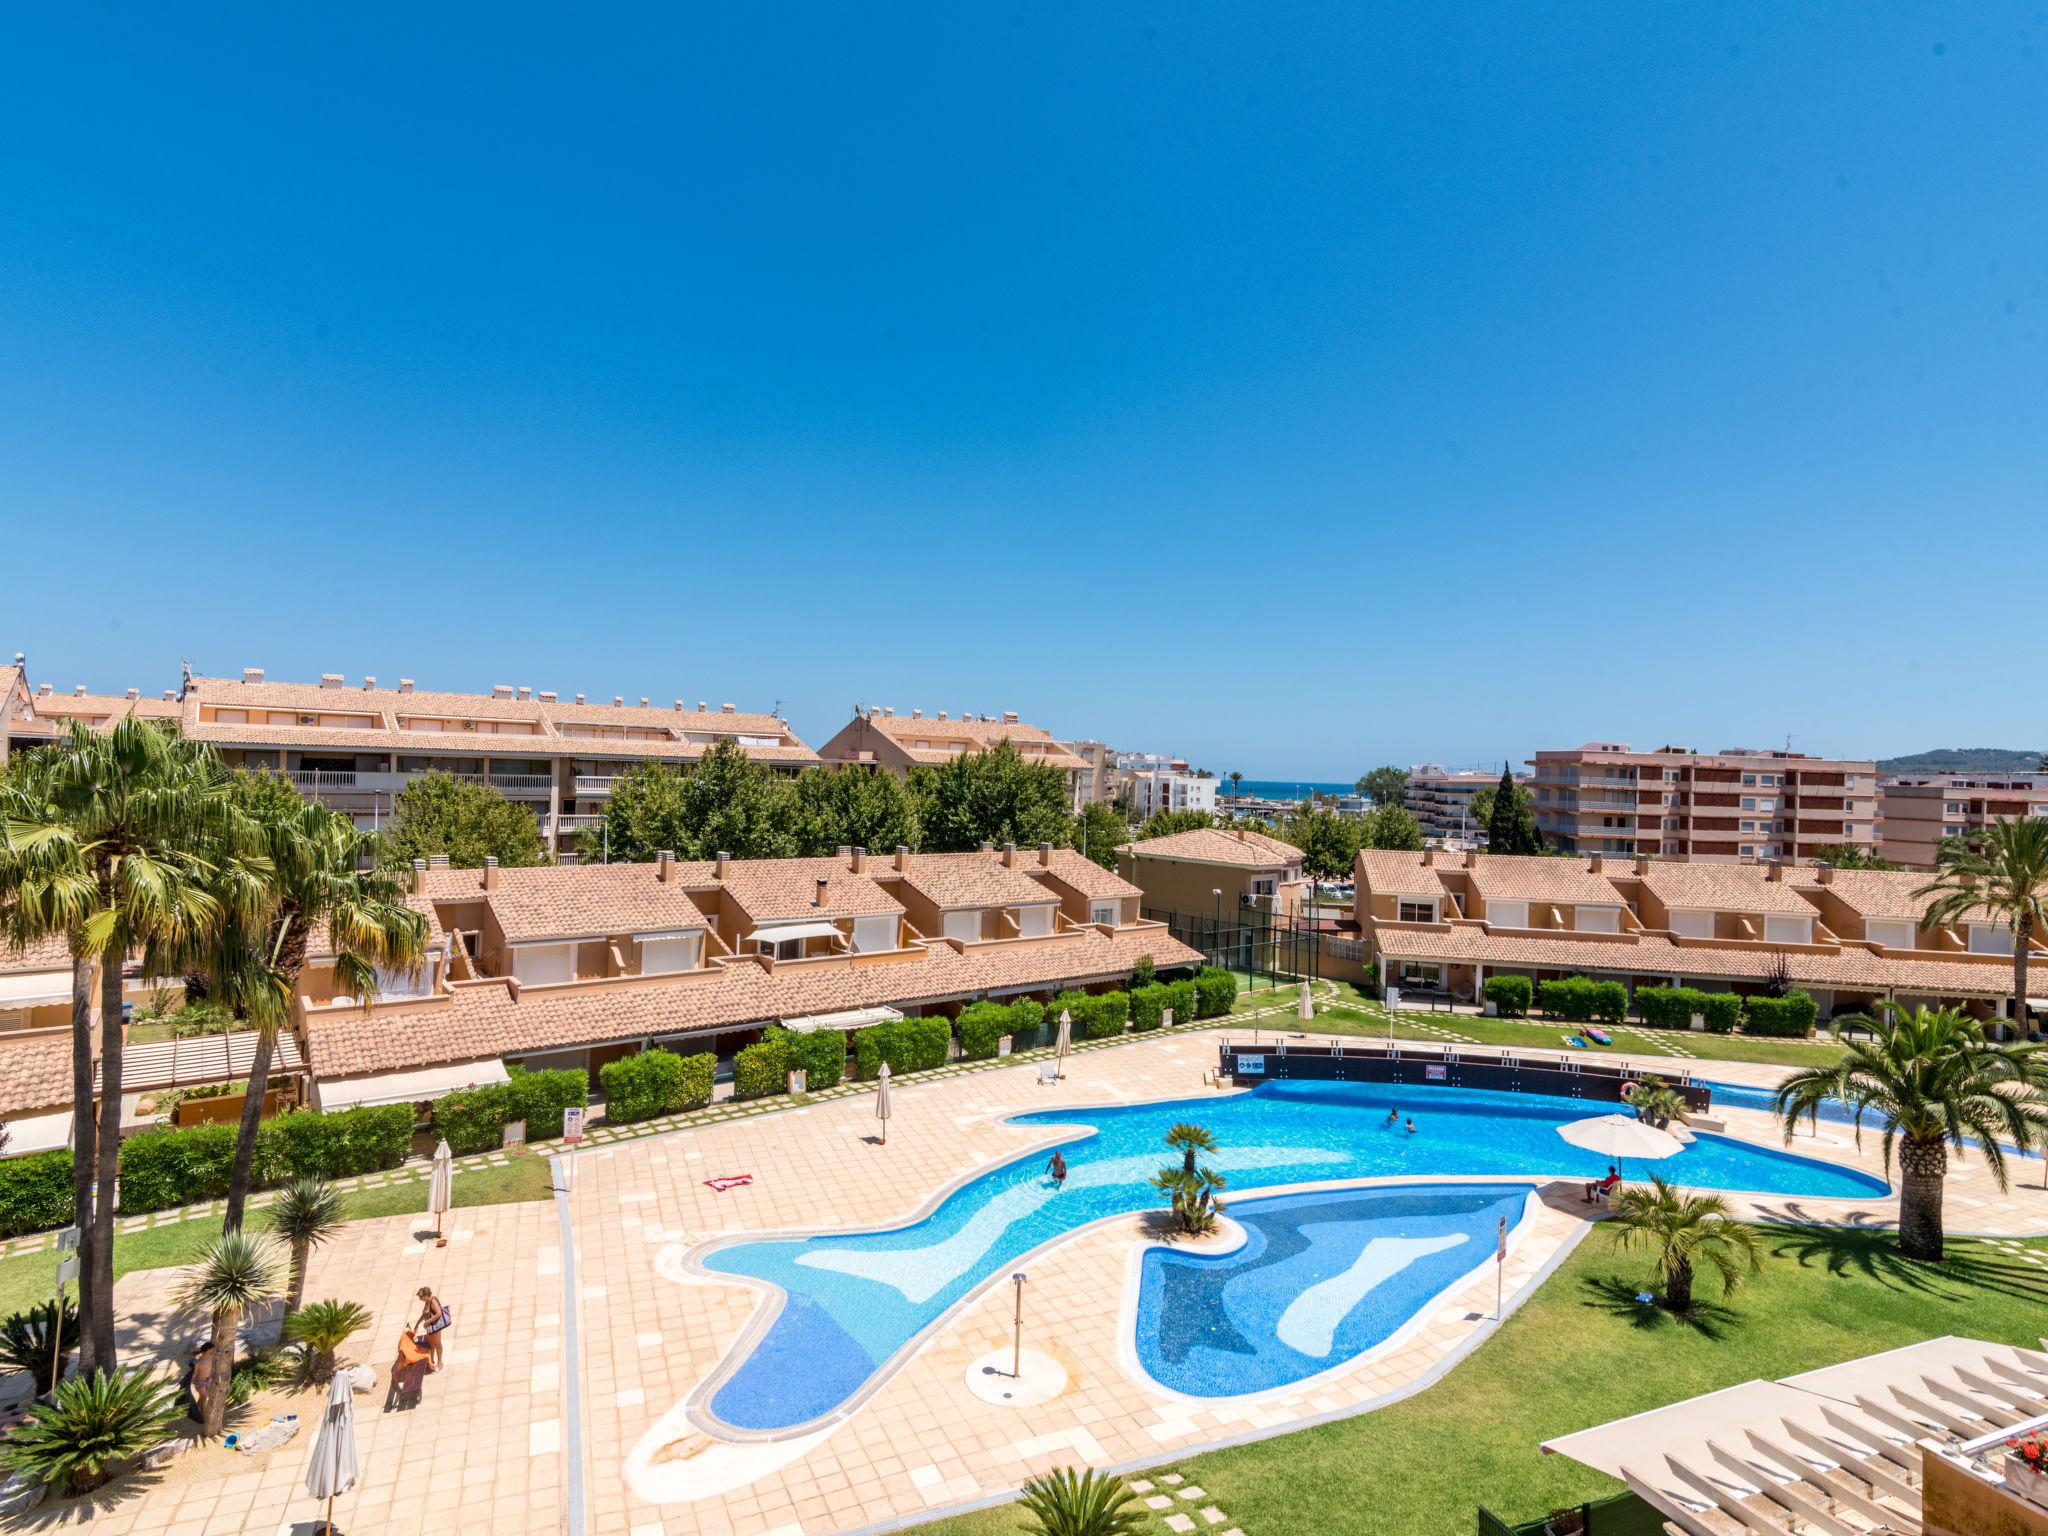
[363,782]
[594,786]
[523,784]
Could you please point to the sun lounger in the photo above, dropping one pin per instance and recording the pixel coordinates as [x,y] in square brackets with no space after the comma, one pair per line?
[1599,1037]
[1575,1042]
[1048,1072]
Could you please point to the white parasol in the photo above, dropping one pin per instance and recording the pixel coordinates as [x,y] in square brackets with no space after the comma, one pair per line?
[882,1102]
[332,1468]
[1620,1136]
[1064,1042]
[441,1184]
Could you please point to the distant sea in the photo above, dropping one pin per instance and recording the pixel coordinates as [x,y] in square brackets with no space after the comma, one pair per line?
[1283,789]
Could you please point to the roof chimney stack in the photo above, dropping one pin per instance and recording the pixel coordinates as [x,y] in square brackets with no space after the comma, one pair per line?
[369,683]
[134,693]
[845,851]
[1009,855]
[725,709]
[902,858]
[718,862]
[79,689]
[1471,858]
[1428,856]
[665,866]
[1824,872]
[525,692]
[419,877]
[330,679]
[437,861]
[405,685]
[888,712]
[1595,863]
[1045,855]
[1009,717]
[643,701]
[942,714]
[917,714]
[859,862]
[490,871]
[824,890]
[703,706]
[252,674]
[549,697]
[618,700]
[1774,869]
[1642,863]
[988,847]
[501,690]
[579,698]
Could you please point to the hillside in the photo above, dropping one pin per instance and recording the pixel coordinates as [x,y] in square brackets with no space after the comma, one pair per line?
[1964,760]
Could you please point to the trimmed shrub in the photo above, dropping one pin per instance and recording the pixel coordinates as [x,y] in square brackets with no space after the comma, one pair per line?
[35,1192]
[539,1098]
[1673,1007]
[163,1168]
[1144,973]
[693,1088]
[1148,1005]
[1097,1016]
[982,1025]
[1511,995]
[908,1045]
[1791,1016]
[821,1055]
[641,1087]
[1181,997]
[1570,998]
[1722,1009]
[474,1119]
[1610,1001]
[309,1145]
[762,1069]
[1215,992]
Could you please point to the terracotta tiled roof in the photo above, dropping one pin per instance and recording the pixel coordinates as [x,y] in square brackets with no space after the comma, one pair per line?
[1515,877]
[785,890]
[1084,875]
[102,709]
[35,1072]
[1219,845]
[573,901]
[1869,892]
[50,954]
[1391,872]
[974,880]
[970,736]
[1720,888]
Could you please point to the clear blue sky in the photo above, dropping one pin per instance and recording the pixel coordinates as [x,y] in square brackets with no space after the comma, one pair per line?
[1293,387]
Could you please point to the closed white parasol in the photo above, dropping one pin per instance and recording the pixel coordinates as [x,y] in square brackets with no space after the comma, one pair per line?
[441,1185]
[882,1102]
[332,1469]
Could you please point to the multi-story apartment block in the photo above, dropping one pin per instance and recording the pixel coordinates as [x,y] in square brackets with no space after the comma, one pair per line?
[1157,783]
[1676,802]
[29,719]
[1916,813]
[881,738]
[1440,800]
[1854,939]
[1100,782]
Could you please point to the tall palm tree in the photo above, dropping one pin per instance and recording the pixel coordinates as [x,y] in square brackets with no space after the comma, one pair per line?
[309,878]
[137,813]
[1236,779]
[1685,1233]
[238,1272]
[2004,878]
[1933,1081]
[307,1214]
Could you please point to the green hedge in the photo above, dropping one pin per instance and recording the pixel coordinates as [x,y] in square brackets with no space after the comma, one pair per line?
[474,1119]
[1215,992]
[641,1087]
[1097,1015]
[165,1168]
[982,1025]
[1673,1007]
[35,1192]
[761,1070]
[694,1090]
[908,1045]
[1792,1015]
[1580,999]
[821,1054]
[1149,1004]
[1510,995]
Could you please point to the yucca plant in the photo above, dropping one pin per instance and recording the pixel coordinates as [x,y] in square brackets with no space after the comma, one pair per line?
[238,1272]
[1087,1503]
[25,1341]
[90,1423]
[322,1327]
[306,1215]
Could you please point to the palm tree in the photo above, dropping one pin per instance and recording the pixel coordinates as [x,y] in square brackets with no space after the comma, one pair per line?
[26,1341]
[323,1327]
[113,849]
[1655,1101]
[1188,1139]
[2003,879]
[306,1214]
[1236,779]
[1934,1081]
[1087,1503]
[1685,1232]
[238,1272]
[91,1422]
[311,876]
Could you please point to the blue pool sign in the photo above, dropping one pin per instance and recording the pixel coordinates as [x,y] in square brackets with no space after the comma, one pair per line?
[1251,1066]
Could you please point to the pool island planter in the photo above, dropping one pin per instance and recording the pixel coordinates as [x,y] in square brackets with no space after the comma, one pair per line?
[1247,1064]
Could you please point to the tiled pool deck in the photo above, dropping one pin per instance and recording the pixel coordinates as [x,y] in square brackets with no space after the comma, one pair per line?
[487,1448]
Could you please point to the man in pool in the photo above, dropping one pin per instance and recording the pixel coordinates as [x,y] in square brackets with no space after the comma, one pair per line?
[1393,1118]
[1058,1169]
[1411,1125]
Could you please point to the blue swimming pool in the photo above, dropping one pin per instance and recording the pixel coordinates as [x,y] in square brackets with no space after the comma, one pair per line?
[848,1303]
[1321,1278]
[1833,1111]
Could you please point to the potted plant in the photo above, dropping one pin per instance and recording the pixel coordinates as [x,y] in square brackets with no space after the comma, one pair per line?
[2026,1466]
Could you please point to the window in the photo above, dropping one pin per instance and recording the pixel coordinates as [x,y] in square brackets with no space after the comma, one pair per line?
[1952,808]
[1103,912]
[1748,852]
[1599,919]
[1693,925]
[1418,911]
[1034,922]
[1990,939]
[1264,885]
[1788,930]
[871,934]
[1749,826]
[1952,830]
[964,925]
[1749,802]
[540,965]
[1891,933]
[664,954]
[1508,914]
[1749,779]
[1767,805]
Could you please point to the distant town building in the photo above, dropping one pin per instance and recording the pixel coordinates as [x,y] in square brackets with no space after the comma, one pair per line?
[881,738]
[1156,783]
[1440,800]
[1099,780]
[1916,812]
[1733,805]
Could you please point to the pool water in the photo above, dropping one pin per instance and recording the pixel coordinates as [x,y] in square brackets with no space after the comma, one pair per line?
[1321,1278]
[849,1303]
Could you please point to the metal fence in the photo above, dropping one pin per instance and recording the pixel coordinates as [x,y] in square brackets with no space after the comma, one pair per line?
[1266,949]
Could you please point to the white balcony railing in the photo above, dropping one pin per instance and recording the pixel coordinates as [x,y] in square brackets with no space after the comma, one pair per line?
[523,782]
[594,786]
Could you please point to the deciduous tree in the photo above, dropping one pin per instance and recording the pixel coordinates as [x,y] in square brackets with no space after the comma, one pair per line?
[993,796]
[439,814]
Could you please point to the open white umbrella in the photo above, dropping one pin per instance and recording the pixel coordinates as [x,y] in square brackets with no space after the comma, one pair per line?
[882,1103]
[1064,1041]
[1620,1136]
[441,1185]
[332,1468]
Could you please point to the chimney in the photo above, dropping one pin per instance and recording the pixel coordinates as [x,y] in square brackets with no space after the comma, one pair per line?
[888,712]
[718,862]
[1642,863]
[170,693]
[1241,837]
[525,692]
[405,685]
[252,674]
[579,698]
[501,690]
[419,877]
[665,866]
[437,861]
[679,706]
[725,709]
[844,851]
[44,691]
[134,693]
[859,862]
[1009,717]
[369,683]
[987,847]
[330,679]
[643,701]
[1045,855]
[1824,872]
[703,707]
[917,714]
[1774,869]
[490,871]
[1009,855]
[1595,863]
[1428,856]
[942,714]
[1471,858]
[902,858]
[618,699]
[824,890]
[549,697]
[79,690]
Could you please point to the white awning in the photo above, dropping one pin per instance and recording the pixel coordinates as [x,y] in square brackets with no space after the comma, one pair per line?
[204,1059]
[779,933]
[407,1087]
[850,1018]
[38,1133]
[32,989]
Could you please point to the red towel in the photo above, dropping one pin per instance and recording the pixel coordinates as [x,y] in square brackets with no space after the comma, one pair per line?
[729,1181]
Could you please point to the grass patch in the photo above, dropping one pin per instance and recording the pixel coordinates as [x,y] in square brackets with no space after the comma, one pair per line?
[29,1278]
[1582,1352]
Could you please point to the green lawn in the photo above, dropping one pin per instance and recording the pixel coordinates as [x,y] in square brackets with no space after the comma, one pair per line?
[1582,1352]
[29,1278]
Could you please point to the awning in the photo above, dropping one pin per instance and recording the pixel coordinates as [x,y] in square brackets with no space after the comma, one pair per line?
[407,1087]
[203,1059]
[783,931]
[32,989]
[850,1018]
[38,1133]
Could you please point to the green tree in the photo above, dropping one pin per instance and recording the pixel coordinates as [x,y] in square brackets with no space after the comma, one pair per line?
[1509,816]
[1166,823]
[322,1327]
[993,796]
[1390,827]
[1328,842]
[307,1214]
[1685,1233]
[1193,1189]
[1932,1080]
[1387,786]
[437,814]
[238,1271]
[723,803]
[93,1420]
[1099,831]
[1087,1503]
[1655,1101]
[852,808]
[1850,856]
[2004,879]
[1236,783]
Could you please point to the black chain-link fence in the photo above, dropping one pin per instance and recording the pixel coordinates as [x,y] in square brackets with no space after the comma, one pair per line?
[1264,949]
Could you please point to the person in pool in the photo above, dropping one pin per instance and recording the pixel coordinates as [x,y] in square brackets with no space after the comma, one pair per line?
[1411,1125]
[1393,1118]
[1058,1169]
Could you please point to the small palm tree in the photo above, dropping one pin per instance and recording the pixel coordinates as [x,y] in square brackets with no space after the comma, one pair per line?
[1933,1081]
[2003,879]
[238,1272]
[1087,1503]
[307,1214]
[323,1327]
[1686,1232]
[90,1423]
[1655,1101]
[25,1341]
[1189,1139]
[1194,1196]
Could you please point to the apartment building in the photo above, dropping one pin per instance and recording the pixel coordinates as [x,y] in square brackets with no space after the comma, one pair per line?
[1215,871]
[1157,783]
[1675,802]
[1915,814]
[1444,922]
[1440,800]
[32,718]
[1100,783]
[881,738]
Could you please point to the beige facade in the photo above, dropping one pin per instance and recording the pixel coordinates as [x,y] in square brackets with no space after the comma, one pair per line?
[1674,802]
[881,738]
[1440,800]
[1215,871]
[1915,814]
[1100,782]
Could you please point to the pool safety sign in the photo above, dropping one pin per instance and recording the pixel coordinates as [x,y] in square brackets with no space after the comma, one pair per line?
[1435,1073]
[1251,1066]
[572,1124]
